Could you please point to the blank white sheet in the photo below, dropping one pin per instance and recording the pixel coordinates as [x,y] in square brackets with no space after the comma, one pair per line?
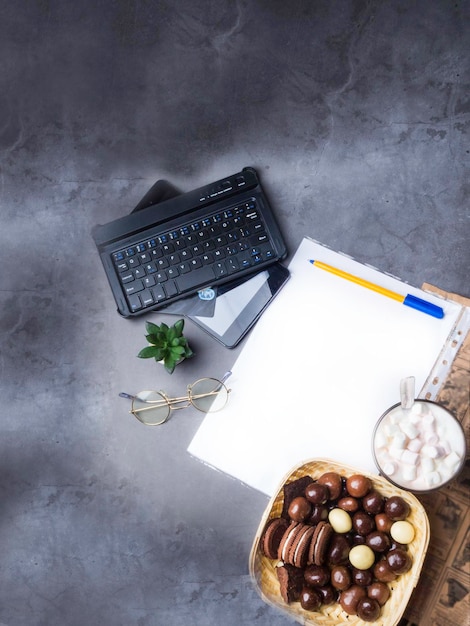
[322,364]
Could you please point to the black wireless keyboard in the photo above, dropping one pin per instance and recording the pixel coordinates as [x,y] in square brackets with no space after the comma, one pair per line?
[198,239]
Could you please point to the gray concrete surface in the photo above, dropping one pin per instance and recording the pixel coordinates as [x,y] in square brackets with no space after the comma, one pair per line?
[356,115]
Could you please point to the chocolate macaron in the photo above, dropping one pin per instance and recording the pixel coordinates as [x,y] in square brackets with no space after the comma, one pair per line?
[272,536]
[319,543]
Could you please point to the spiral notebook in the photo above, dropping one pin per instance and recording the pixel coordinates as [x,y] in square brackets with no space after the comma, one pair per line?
[319,368]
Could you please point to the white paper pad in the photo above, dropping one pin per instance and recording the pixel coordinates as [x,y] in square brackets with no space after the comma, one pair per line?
[322,364]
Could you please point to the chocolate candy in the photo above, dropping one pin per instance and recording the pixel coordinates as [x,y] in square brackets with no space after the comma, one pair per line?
[358,485]
[299,509]
[378,541]
[373,502]
[361,557]
[396,508]
[334,483]
[317,575]
[383,572]
[362,577]
[399,561]
[379,591]
[340,577]
[402,531]
[368,609]
[317,493]
[310,599]
[349,598]
[338,550]
[383,522]
[363,523]
[349,504]
[340,520]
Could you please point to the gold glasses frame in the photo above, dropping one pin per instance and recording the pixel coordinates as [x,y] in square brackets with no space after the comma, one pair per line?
[154,408]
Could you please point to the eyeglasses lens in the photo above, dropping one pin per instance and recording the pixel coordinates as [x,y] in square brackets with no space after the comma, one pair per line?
[151,408]
[208,394]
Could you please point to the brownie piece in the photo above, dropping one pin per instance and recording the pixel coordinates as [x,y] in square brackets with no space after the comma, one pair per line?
[291,582]
[293,490]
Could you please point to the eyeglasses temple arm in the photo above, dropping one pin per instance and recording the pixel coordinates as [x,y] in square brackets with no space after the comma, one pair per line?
[225,376]
[127,396]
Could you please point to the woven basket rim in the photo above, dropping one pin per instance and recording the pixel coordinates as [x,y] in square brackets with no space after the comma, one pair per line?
[262,570]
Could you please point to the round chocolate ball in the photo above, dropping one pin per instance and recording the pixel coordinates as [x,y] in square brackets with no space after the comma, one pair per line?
[362,577]
[334,483]
[316,493]
[328,594]
[358,485]
[349,504]
[338,550]
[340,577]
[310,599]
[317,575]
[378,541]
[383,522]
[363,523]
[319,514]
[379,591]
[399,561]
[349,598]
[396,508]
[299,509]
[373,502]
[383,572]
[368,609]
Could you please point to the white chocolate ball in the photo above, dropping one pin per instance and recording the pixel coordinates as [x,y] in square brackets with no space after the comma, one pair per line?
[361,557]
[340,521]
[402,532]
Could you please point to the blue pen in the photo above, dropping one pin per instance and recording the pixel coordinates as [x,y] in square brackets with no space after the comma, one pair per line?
[412,301]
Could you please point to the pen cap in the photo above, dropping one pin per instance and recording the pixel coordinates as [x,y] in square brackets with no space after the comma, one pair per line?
[422,305]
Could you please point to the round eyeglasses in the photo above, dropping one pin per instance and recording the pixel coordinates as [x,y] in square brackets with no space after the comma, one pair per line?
[154,407]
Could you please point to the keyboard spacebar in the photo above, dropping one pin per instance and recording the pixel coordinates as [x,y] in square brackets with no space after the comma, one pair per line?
[194,279]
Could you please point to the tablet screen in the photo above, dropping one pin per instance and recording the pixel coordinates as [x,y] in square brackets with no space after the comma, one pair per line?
[238,305]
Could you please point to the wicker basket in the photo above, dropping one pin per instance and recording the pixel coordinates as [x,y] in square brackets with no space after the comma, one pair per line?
[262,569]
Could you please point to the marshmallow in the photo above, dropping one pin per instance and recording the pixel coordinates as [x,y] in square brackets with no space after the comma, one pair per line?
[427,465]
[430,451]
[410,458]
[409,429]
[389,468]
[432,479]
[452,460]
[415,445]
[410,472]
[398,441]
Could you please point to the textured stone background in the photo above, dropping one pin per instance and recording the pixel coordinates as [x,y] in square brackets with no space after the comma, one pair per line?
[356,115]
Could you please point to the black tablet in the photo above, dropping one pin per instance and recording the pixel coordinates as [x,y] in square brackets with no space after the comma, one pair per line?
[239,305]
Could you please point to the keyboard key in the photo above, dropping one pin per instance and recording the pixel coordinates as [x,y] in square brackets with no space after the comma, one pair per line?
[122,266]
[171,289]
[139,272]
[149,281]
[127,278]
[173,272]
[133,261]
[134,303]
[159,293]
[220,269]
[147,298]
[134,287]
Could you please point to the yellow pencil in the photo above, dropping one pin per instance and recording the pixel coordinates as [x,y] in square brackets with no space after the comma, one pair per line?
[408,300]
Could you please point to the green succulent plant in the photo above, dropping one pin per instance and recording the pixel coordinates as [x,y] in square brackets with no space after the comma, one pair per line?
[167,344]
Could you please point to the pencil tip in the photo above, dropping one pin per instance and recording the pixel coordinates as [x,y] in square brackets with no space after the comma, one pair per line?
[311,261]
